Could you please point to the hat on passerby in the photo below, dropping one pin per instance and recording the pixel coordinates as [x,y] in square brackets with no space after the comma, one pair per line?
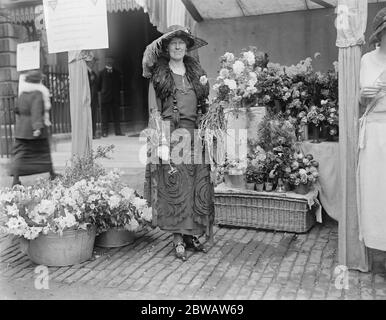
[379,24]
[34,76]
[158,46]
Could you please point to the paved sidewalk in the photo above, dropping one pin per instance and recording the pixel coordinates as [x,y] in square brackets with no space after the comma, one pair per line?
[242,264]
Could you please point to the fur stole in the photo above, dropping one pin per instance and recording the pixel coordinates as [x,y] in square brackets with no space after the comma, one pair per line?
[163,81]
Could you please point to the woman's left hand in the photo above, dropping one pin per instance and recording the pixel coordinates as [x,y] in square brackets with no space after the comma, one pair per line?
[36,133]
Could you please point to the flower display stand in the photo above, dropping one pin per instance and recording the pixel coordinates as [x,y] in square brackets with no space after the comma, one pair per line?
[288,211]
[70,248]
[114,238]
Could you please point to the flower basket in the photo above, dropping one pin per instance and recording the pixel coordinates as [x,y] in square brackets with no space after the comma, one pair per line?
[54,250]
[302,189]
[114,238]
[264,210]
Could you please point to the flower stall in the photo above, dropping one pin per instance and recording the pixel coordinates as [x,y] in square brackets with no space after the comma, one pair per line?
[298,102]
[58,222]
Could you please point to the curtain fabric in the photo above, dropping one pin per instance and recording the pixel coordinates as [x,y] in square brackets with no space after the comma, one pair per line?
[351,25]
[80,104]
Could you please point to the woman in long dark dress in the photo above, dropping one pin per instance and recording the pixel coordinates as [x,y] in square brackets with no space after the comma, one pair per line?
[31,151]
[182,199]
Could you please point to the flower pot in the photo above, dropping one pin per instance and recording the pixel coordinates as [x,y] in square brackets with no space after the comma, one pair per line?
[316,134]
[250,185]
[72,247]
[235,181]
[268,186]
[302,189]
[114,238]
[259,186]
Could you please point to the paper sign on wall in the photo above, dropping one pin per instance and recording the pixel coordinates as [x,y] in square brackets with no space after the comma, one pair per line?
[28,56]
[75,25]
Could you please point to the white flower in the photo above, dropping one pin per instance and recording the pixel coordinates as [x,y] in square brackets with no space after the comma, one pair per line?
[12,210]
[203,80]
[224,73]
[147,214]
[323,102]
[127,193]
[6,196]
[114,201]
[92,206]
[231,84]
[229,56]
[32,232]
[133,225]
[215,87]
[250,57]
[302,172]
[139,203]
[238,67]
[46,206]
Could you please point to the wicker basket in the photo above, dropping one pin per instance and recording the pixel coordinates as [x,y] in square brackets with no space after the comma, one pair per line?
[264,210]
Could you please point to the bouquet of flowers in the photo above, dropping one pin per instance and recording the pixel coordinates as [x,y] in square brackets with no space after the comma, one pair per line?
[85,195]
[304,170]
[235,85]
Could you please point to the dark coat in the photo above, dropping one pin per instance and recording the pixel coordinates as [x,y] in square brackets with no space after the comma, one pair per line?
[30,116]
[109,84]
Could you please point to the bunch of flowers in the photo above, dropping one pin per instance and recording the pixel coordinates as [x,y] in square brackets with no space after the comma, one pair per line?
[235,85]
[304,170]
[85,195]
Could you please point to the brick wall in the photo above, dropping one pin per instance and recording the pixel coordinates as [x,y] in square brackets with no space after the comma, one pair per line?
[8,74]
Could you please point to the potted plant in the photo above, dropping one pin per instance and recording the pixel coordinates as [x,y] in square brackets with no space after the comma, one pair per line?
[119,212]
[304,172]
[116,209]
[54,227]
[250,177]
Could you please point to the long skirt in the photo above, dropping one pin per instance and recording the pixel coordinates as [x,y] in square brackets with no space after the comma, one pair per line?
[372,183]
[31,157]
[182,202]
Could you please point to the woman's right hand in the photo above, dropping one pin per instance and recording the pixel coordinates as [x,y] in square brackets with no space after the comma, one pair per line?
[370,92]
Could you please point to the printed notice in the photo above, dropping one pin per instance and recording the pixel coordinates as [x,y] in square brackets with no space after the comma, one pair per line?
[28,56]
[76,25]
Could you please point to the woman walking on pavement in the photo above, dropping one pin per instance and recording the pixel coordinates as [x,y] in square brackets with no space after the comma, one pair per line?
[31,150]
[182,199]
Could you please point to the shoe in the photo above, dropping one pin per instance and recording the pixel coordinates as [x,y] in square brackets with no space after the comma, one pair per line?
[192,242]
[120,134]
[180,251]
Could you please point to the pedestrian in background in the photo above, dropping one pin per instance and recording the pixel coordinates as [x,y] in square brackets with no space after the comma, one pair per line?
[109,85]
[93,81]
[31,150]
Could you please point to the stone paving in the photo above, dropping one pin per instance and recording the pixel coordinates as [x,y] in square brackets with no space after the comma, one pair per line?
[242,264]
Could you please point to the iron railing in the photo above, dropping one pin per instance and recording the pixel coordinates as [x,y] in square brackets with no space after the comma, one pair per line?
[7,123]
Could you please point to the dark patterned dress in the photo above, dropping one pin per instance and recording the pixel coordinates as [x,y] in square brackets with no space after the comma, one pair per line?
[182,202]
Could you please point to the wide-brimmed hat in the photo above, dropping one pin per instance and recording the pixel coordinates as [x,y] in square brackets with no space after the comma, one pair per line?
[379,24]
[154,49]
[34,76]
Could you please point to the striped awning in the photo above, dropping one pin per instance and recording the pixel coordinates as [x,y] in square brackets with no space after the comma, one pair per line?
[26,13]
[162,13]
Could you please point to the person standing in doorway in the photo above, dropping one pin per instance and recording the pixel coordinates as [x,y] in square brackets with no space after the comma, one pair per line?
[93,81]
[109,85]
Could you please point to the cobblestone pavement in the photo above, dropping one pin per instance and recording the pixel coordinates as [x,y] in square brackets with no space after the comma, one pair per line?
[242,264]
